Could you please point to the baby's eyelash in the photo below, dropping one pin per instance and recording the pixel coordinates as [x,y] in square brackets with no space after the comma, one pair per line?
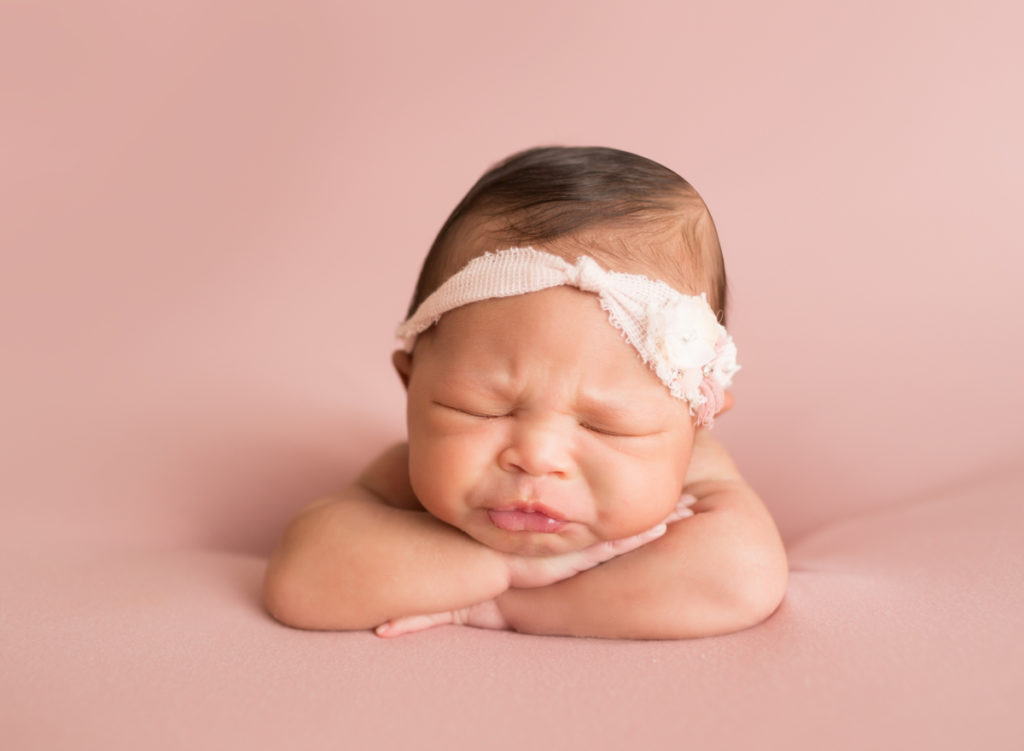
[639,433]
[468,412]
[601,431]
[586,426]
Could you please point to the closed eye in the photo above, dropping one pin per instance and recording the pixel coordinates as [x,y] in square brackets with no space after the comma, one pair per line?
[612,433]
[463,411]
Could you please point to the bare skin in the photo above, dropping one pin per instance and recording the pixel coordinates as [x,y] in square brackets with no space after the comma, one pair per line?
[506,409]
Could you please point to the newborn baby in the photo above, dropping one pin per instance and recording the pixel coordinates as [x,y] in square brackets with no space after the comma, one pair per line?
[564,358]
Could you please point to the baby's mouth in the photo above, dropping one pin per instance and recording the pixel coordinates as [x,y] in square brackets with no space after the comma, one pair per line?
[525,519]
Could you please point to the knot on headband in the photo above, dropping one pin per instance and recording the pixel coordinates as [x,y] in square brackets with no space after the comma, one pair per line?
[678,336]
[586,275]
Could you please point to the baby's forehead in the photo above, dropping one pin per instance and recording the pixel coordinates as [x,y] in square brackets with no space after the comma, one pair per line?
[487,372]
[559,333]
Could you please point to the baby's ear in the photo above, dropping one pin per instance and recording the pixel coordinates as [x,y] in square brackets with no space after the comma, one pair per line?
[729,401]
[403,364]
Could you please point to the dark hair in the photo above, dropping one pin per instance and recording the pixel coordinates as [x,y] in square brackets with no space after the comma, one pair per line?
[551,192]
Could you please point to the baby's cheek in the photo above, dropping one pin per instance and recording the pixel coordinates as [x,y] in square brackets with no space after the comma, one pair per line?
[633,521]
[440,471]
[627,509]
[428,472]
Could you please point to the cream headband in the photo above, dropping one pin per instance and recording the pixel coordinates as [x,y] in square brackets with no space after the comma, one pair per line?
[677,335]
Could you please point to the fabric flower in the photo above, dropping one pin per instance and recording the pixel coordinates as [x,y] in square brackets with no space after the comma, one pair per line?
[683,333]
[725,363]
[714,400]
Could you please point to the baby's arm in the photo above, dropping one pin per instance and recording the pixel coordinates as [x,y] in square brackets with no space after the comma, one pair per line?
[370,554]
[721,570]
[364,555]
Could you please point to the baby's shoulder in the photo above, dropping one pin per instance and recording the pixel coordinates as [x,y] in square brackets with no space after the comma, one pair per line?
[387,477]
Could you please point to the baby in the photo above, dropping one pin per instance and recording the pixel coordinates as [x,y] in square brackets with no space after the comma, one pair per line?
[564,358]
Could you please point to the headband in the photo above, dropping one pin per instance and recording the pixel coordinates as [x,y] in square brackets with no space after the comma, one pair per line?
[678,336]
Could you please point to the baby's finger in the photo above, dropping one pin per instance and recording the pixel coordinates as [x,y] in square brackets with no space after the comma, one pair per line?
[409,624]
[605,551]
[539,572]
[682,509]
[482,615]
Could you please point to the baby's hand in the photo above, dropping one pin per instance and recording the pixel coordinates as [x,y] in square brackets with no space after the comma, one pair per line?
[529,572]
[524,572]
[482,615]
[682,509]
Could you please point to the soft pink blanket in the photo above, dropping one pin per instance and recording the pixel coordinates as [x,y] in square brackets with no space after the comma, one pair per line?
[901,629]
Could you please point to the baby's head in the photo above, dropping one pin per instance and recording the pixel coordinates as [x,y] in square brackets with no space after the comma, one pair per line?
[625,211]
[564,343]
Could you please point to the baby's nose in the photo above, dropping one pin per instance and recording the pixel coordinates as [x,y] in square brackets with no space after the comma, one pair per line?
[538,448]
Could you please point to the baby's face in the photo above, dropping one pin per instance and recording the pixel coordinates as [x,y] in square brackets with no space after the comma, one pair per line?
[535,403]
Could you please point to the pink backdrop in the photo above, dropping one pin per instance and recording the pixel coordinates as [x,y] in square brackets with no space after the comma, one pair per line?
[212,216]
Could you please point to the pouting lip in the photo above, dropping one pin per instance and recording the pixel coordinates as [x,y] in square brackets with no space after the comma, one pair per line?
[533,508]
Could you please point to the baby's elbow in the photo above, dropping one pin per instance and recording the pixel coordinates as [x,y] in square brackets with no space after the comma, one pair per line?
[759,585]
[290,600]
[294,598]
[283,601]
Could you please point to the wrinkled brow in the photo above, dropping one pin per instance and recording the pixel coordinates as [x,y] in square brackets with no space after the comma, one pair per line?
[616,408]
